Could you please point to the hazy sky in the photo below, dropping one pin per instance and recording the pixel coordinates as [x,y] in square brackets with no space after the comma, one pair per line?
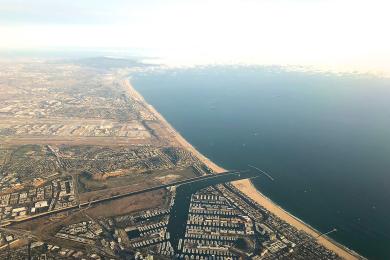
[345,34]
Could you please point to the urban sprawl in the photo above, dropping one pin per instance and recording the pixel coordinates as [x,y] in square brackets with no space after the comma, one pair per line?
[88,170]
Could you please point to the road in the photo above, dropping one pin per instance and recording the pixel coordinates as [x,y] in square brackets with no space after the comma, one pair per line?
[114,197]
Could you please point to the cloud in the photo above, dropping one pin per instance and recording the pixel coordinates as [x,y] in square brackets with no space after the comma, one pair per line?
[342,33]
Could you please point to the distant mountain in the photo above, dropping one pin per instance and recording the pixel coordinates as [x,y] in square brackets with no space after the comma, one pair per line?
[109,62]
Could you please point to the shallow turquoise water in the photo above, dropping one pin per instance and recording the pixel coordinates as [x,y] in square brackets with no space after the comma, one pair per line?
[325,139]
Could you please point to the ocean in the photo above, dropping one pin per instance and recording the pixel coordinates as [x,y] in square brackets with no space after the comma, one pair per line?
[324,138]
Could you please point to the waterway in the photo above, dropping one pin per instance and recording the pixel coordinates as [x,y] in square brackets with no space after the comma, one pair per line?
[179,212]
[325,138]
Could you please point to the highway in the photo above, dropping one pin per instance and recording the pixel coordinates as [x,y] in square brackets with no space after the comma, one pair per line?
[114,197]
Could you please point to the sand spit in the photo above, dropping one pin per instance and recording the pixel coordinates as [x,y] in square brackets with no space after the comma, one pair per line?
[246,187]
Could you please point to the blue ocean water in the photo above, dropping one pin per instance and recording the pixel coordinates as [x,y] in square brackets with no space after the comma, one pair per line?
[325,138]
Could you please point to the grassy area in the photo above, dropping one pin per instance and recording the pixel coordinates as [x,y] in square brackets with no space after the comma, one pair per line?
[86,182]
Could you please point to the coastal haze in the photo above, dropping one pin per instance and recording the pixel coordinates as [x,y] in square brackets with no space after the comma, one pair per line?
[346,35]
[230,129]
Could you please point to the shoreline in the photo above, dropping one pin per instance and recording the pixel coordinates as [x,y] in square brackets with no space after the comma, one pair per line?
[247,187]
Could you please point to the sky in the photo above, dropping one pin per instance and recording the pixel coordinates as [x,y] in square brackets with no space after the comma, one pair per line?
[334,34]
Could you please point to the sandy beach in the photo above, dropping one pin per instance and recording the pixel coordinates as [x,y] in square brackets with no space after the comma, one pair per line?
[246,187]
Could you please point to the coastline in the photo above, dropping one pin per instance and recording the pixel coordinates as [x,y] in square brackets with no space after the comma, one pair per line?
[246,186]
